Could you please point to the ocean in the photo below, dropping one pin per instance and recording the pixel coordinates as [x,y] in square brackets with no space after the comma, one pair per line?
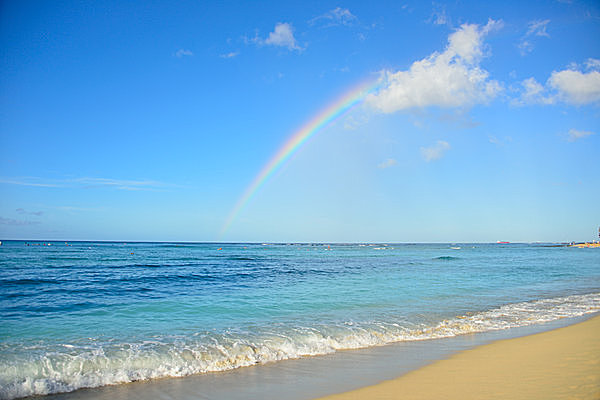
[88,314]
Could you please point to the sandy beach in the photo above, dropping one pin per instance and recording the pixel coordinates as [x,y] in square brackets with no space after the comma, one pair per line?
[559,364]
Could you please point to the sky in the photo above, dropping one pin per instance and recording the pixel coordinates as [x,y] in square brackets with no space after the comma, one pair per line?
[469,121]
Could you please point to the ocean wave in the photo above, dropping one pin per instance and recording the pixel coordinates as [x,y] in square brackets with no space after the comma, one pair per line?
[446,258]
[43,369]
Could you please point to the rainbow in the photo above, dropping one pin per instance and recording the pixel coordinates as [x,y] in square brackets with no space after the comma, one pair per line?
[317,123]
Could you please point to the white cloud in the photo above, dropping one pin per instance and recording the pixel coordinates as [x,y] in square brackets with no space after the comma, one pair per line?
[535,28]
[436,151]
[85,182]
[571,86]
[230,55]
[390,162]
[538,28]
[356,119]
[593,64]
[574,134]
[282,36]
[73,208]
[499,142]
[439,16]
[335,17]
[576,87]
[35,182]
[450,79]
[494,140]
[23,211]
[183,53]
[525,46]
[533,92]
[16,222]
[117,183]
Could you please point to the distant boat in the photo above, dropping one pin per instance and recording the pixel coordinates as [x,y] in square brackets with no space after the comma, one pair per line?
[499,242]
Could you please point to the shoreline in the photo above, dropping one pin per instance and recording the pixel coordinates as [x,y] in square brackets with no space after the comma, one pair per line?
[557,364]
[313,377]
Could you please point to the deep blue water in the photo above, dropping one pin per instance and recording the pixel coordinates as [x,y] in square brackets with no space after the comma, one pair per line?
[84,314]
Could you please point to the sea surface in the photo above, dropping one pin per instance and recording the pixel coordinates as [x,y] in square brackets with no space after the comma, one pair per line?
[88,314]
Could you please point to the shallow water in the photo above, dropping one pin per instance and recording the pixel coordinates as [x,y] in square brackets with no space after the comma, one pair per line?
[90,314]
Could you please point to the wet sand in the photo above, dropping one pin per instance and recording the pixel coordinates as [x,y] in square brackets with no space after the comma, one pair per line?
[559,364]
[312,377]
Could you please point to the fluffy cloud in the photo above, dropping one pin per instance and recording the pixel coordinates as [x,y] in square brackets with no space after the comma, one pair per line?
[571,86]
[574,134]
[436,151]
[450,79]
[282,36]
[532,92]
[576,87]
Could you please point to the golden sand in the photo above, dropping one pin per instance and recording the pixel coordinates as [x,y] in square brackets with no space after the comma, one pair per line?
[559,364]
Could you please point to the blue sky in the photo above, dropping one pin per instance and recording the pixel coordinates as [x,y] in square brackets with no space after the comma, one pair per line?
[148,120]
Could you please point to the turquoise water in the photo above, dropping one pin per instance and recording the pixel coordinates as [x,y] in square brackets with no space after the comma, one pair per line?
[87,314]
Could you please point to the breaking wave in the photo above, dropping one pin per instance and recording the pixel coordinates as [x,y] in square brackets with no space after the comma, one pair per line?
[43,368]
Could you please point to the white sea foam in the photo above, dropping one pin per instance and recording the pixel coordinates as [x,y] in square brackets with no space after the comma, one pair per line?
[67,367]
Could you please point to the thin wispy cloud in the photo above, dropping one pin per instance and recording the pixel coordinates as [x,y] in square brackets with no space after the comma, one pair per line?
[17,222]
[390,162]
[439,16]
[183,53]
[436,151]
[78,209]
[451,79]
[230,54]
[25,212]
[35,182]
[575,134]
[535,28]
[87,182]
[499,142]
[495,140]
[118,183]
[538,28]
[592,64]
[336,17]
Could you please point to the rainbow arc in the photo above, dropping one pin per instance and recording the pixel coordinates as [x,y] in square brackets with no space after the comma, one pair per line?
[314,125]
